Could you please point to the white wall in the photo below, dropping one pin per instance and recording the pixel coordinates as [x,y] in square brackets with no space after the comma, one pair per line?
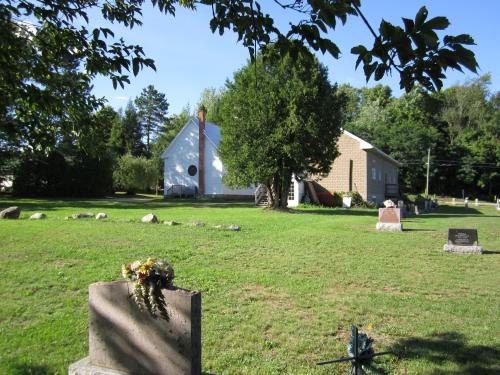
[182,153]
[213,170]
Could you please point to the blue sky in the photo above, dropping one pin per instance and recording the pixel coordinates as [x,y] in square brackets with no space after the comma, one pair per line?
[190,58]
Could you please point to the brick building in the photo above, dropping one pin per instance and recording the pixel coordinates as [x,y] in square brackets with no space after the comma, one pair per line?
[361,167]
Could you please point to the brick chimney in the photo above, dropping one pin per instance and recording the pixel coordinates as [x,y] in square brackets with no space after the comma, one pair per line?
[202,114]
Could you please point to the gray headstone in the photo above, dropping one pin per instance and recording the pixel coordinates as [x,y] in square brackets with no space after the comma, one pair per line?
[100,216]
[476,202]
[38,216]
[466,202]
[498,204]
[10,213]
[235,228]
[126,340]
[149,218]
[453,201]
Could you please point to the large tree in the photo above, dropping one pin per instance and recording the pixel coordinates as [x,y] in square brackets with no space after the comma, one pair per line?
[126,134]
[280,117]
[152,107]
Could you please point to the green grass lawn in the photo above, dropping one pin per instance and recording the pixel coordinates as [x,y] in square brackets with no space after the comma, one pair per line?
[277,297]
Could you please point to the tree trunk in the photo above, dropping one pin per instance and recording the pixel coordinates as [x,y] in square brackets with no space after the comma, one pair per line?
[278,190]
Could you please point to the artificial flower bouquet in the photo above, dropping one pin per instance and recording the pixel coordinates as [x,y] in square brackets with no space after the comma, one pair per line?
[149,278]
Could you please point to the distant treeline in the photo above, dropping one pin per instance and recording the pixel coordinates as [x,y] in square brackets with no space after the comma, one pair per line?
[93,152]
[460,126]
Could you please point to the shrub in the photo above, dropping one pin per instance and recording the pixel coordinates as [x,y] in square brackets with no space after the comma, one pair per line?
[134,174]
[79,175]
[337,199]
[357,200]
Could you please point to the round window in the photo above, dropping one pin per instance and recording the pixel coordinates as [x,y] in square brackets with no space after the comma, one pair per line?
[192,170]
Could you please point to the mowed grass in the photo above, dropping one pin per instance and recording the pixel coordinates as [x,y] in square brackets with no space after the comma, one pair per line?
[278,296]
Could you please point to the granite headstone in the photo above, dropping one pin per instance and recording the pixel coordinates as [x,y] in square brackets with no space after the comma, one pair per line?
[463,241]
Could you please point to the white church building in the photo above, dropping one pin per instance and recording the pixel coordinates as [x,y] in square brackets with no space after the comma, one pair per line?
[192,165]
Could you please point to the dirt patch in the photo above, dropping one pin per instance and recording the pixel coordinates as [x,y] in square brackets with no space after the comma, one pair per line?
[62,263]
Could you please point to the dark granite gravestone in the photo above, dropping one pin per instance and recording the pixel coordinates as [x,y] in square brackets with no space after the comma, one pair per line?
[463,241]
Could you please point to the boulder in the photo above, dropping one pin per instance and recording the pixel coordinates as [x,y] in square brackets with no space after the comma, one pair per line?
[235,228]
[38,216]
[196,223]
[10,213]
[101,215]
[82,215]
[149,218]
[171,222]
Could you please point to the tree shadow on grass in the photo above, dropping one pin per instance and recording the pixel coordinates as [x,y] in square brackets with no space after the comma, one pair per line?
[451,211]
[445,347]
[336,212]
[80,205]
[491,252]
[418,230]
[31,369]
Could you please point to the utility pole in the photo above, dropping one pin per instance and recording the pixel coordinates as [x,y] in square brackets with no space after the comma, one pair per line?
[428,167]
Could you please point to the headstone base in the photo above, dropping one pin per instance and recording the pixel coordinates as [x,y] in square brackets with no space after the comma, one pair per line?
[389,227]
[84,367]
[463,249]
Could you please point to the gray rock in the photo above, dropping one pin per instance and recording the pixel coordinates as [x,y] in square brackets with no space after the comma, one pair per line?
[149,218]
[38,216]
[196,223]
[171,222]
[10,213]
[233,227]
[101,215]
[82,215]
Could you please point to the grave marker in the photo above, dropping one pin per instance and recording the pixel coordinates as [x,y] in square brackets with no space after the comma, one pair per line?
[463,241]
[389,219]
[126,340]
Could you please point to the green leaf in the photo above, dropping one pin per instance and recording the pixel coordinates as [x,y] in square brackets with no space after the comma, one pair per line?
[369,69]
[421,16]
[462,39]
[437,23]
[135,66]
[409,25]
[379,72]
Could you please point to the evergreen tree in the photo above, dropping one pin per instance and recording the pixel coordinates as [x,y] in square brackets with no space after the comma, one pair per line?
[152,110]
[126,136]
[279,117]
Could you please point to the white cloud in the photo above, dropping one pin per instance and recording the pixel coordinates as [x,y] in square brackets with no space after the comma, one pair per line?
[122,98]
